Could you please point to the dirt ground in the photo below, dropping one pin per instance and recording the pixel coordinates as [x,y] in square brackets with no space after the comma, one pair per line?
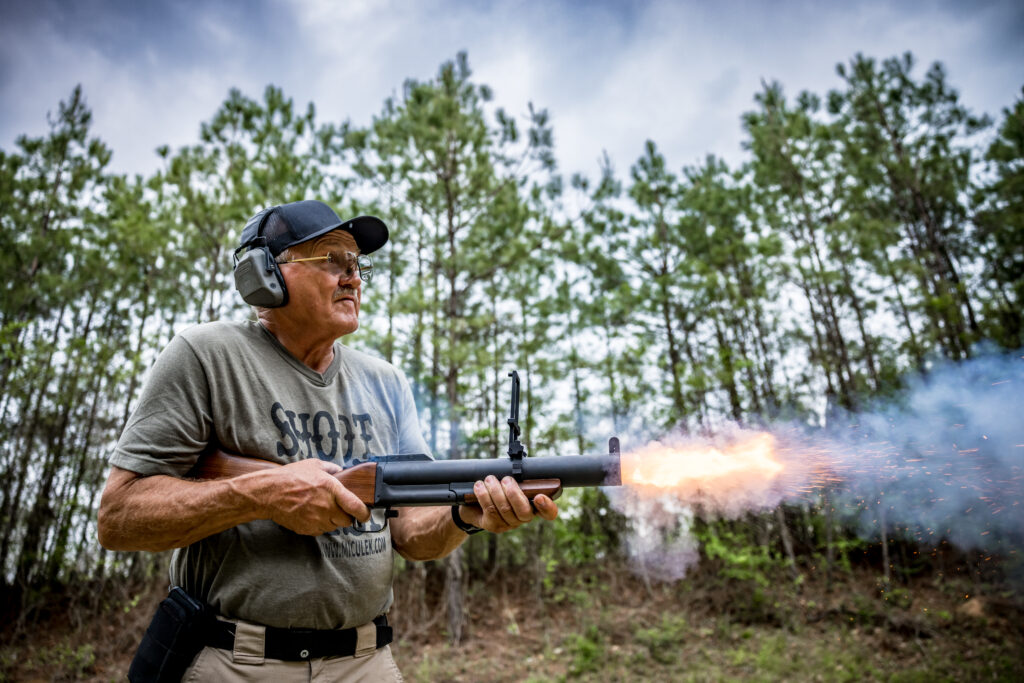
[613,628]
[607,625]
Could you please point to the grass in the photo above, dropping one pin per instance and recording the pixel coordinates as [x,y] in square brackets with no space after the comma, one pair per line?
[757,653]
[689,632]
[700,629]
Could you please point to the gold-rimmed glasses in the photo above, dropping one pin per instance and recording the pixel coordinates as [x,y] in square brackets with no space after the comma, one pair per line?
[339,263]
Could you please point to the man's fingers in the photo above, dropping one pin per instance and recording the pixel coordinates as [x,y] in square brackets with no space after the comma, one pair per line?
[340,521]
[350,503]
[491,519]
[507,501]
[309,500]
[521,507]
[315,463]
[472,514]
[504,506]
[546,507]
[330,467]
[345,499]
[501,502]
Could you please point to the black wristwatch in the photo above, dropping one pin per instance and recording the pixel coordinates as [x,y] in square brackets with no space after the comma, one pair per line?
[468,528]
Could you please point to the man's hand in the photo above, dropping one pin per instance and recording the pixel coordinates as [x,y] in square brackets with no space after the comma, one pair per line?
[502,506]
[305,498]
[428,533]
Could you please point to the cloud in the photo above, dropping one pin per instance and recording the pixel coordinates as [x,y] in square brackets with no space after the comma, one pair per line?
[611,74]
[148,83]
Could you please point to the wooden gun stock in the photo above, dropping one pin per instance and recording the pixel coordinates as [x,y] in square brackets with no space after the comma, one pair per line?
[361,479]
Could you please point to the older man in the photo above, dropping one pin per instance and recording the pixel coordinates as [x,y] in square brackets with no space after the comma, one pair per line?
[295,567]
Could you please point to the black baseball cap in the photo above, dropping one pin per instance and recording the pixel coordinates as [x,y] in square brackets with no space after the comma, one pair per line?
[290,224]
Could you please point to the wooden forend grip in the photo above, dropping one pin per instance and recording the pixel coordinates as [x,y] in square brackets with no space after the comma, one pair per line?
[552,488]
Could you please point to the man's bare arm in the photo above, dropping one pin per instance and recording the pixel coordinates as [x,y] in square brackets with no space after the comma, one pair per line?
[421,534]
[161,512]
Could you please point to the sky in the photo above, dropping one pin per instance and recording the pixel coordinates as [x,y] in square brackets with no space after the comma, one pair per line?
[611,74]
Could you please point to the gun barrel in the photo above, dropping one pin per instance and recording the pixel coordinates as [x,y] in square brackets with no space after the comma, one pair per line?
[572,470]
[417,480]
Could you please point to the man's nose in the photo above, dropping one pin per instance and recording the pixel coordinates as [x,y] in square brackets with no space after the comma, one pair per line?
[350,276]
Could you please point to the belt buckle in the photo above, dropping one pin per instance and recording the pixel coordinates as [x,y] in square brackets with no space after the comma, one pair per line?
[366,639]
[250,643]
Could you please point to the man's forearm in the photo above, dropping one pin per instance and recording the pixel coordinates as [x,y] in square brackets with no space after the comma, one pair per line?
[161,512]
[426,533]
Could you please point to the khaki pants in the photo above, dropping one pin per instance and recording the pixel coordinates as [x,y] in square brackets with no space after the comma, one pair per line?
[246,663]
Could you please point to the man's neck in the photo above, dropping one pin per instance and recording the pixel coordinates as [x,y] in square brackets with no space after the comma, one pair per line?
[314,354]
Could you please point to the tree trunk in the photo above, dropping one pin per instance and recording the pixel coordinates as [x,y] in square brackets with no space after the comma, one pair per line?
[729,378]
[869,356]
[787,542]
[455,592]
[830,553]
[886,561]
[904,313]
[11,513]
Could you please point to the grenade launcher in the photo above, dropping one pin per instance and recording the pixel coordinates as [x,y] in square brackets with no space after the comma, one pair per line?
[416,479]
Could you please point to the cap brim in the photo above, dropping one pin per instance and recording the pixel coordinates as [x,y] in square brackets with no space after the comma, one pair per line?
[369,232]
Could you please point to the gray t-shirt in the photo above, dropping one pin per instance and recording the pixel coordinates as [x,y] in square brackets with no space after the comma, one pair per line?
[235,385]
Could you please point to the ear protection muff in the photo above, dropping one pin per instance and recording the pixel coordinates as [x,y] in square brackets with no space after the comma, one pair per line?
[257,276]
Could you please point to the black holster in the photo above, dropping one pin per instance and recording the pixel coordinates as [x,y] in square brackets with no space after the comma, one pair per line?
[174,637]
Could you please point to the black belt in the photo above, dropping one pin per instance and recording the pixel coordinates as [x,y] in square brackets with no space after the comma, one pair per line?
[296,644]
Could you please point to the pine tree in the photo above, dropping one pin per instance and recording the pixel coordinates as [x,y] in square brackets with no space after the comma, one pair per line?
[907,139]
[460,179]
[999,217]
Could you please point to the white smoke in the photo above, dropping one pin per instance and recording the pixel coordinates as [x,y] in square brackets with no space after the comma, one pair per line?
[660,542]
[942,461]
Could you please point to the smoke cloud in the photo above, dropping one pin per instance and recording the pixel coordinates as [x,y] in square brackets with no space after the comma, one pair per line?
[942,461]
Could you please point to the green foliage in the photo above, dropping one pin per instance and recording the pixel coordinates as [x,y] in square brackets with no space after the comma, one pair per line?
[590,530]
[999,217]
[741,558]
[587,651]
[862,234]
[72,663]
[898,596]
[773,659]
[662,641]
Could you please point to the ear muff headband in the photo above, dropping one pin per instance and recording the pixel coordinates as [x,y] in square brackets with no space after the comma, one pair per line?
[257,276]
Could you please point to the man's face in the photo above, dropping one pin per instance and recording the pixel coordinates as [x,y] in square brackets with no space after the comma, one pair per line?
[319,298]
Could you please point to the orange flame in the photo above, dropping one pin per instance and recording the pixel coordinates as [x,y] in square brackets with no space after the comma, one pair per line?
[744,470]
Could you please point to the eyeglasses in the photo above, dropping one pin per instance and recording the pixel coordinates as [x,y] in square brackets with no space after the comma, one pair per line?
[339,263]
